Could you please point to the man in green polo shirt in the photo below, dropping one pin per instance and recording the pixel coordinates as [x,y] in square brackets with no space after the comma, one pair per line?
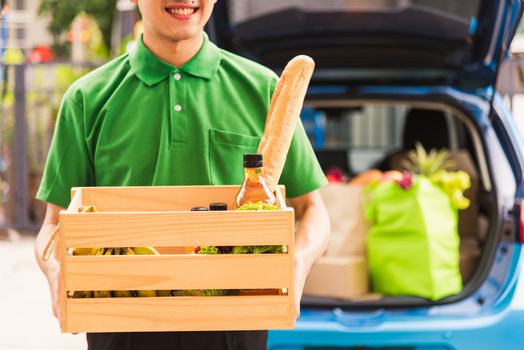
[176,111]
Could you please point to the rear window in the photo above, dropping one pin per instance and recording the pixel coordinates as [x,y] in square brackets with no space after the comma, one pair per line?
[359,137]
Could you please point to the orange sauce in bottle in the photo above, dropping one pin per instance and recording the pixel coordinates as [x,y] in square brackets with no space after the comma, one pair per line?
[254,188]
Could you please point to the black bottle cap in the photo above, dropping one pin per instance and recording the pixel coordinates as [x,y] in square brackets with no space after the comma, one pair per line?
[199,209]
[253,160]
[218,206]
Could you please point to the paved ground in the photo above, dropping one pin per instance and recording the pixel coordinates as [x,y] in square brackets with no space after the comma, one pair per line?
[26,320]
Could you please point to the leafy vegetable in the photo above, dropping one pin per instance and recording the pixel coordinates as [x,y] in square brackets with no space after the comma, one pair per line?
[208,249]
[213,250]
[258,206]
[258,249]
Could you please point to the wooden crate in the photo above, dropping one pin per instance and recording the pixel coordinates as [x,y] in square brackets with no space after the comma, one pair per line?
[160,217]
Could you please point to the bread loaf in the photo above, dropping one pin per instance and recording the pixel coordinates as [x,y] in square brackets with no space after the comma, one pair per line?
[284,112]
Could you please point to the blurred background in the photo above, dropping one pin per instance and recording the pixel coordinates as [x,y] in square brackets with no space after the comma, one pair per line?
[44,47]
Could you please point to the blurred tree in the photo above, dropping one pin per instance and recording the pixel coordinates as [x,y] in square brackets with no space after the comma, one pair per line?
[64,12]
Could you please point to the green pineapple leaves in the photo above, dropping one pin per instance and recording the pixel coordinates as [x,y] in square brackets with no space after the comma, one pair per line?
[434,165]
[427,164]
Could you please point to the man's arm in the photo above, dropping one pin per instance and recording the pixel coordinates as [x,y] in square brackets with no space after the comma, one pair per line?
[50,267]
[312,237]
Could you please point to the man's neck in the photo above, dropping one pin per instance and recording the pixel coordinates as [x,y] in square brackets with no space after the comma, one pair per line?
[176,53]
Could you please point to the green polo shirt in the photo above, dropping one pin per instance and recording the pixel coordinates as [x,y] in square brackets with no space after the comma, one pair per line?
[139,121]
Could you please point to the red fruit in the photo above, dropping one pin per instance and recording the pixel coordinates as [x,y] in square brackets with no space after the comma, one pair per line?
[335,175]
[407,180]
[197,249]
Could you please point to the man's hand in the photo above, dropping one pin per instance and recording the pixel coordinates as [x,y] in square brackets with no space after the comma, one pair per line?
[301,273]
[53,279]
[50,267]
[311,238]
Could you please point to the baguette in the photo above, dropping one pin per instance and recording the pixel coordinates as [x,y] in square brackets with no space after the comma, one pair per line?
[284,112]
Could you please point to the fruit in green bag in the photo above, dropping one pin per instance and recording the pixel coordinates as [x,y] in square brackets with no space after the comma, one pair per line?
[434,166]
[454,183]
[427,164]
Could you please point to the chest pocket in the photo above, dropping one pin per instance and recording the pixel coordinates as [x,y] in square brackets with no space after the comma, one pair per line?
[226,158]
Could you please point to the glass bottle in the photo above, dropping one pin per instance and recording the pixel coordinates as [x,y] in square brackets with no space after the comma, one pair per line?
[254,188]
[218,206]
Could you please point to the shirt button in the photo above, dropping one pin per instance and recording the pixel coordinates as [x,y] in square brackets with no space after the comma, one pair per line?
[178,108]
[177,76]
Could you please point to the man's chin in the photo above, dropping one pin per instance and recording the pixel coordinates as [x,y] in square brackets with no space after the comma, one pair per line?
[178,34]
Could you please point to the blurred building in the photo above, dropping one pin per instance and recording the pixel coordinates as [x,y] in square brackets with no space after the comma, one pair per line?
[26,29]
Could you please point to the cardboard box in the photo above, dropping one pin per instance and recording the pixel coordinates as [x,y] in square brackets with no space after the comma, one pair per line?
[338,277]
[161,217]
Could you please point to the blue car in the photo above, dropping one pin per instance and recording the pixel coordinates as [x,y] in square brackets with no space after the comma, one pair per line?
[390,73]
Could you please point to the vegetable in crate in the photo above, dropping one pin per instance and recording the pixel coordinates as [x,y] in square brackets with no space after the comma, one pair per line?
[269,249]
[211,250]
[275,249]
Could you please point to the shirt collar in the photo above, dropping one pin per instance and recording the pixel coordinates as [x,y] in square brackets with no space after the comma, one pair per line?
[151,70]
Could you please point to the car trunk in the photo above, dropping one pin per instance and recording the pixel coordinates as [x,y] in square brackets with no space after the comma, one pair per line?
[370,133]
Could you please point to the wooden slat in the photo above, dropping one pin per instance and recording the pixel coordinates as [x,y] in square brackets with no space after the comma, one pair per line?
[179,314]
[176,228]
[245,271]
[158,198]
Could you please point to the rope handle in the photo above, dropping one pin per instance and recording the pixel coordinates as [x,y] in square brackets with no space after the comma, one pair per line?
[52,239]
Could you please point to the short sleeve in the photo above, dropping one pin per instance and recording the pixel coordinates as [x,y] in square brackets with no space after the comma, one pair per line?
[302,172]
[68,163]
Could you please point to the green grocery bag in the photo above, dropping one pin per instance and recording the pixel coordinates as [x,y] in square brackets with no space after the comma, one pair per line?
[413,243]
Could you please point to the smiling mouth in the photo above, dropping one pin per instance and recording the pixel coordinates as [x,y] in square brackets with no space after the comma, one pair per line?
[184,11]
